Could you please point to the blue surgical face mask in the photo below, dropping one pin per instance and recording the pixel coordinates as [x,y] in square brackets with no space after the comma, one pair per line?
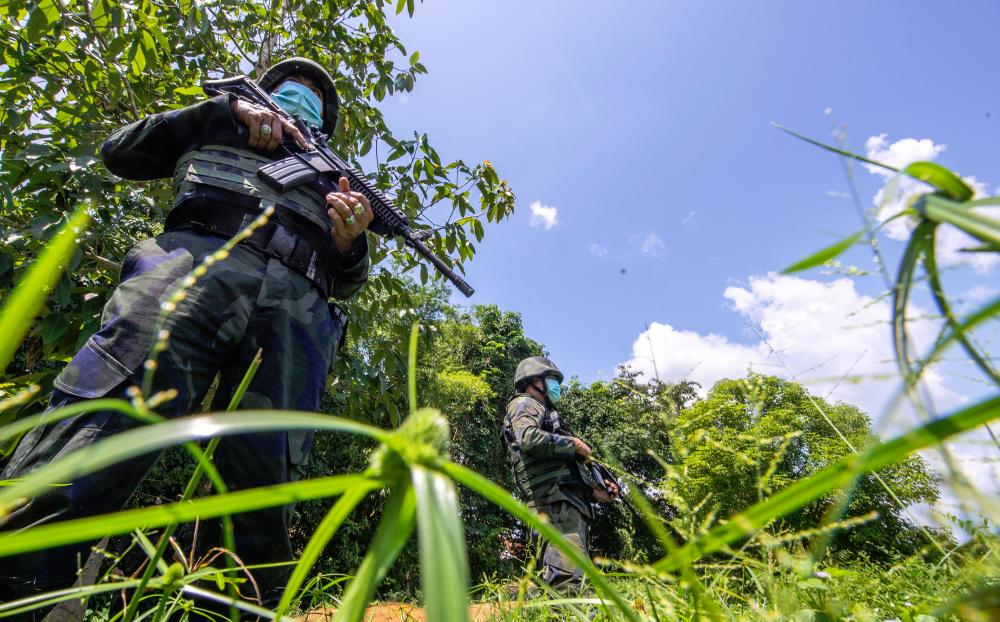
[299,100]
[552,389]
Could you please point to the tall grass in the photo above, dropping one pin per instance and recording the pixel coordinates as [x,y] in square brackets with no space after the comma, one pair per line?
[413,471]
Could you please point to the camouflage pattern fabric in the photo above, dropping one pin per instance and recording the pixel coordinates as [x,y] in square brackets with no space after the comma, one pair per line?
[557,569]
[243,303]
[544,463]
[549,480]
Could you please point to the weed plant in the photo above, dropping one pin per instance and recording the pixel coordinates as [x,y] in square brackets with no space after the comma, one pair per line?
[743,567]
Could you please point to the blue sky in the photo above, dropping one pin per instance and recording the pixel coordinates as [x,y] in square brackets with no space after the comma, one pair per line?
[646,125]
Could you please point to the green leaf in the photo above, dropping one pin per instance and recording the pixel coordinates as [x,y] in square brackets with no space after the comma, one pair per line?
[189,91]
[833,149]
[99,12]
[444,572]
[148,46]
[53,327]
[38,24]
[409,7]
[23,304]
[941,178]
[414,58]
[978,225]
[824,255]
[136,442]
[394,529]
[400,5]
[96,527]
[412,367]
[138,60]
[320,538]
[835,477]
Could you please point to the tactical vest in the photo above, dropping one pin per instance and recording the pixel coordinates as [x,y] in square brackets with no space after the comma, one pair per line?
[541,480]
[208,169]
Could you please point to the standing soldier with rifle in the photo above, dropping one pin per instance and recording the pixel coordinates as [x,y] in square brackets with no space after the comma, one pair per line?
[549,466]
[270,294]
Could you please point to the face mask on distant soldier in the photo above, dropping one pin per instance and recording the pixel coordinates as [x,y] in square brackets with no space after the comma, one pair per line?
[552,389]
[299,100]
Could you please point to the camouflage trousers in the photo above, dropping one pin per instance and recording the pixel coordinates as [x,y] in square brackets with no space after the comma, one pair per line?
[557,569]
[243,303]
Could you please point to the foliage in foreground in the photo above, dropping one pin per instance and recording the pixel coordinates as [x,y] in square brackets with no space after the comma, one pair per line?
[738,567]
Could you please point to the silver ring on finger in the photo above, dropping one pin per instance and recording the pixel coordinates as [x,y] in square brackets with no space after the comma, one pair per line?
[359,209]
[265,129]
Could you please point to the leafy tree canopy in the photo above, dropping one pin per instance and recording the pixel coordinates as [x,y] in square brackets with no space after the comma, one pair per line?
[752,437]
[72,72]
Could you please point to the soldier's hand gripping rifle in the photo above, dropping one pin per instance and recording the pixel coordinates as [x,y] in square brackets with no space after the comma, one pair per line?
[320,168]
[601,474]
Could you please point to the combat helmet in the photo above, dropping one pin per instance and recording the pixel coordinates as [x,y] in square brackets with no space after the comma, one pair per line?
[297,65]
[534,367]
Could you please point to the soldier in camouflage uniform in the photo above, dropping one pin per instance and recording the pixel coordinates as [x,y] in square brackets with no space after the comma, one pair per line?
[271,294]
[546,458]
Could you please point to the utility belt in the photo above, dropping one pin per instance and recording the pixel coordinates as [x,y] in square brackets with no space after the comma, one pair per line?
[292,246]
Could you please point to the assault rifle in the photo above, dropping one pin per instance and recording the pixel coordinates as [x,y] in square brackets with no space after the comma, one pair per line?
[320,169]
[598,472]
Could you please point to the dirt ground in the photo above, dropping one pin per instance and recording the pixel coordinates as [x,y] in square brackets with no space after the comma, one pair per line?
[396,612]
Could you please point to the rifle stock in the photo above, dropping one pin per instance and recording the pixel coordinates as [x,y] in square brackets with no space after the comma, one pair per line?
[321,168]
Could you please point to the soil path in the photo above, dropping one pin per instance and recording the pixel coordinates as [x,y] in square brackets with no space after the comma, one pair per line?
[396,612]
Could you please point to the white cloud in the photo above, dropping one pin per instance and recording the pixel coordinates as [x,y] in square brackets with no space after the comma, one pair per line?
[824,334]
[649,244]
[899,153]
[544,215]
[899,192]
[691,221]
[598,251]
[979,293]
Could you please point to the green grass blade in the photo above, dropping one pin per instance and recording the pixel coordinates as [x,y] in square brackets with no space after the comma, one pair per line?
[229,541]
[901,296]
[412,362]
[937,291]
[21,307]
[824,255]
[95,527]
[25,424]
[941,178]
[834,477]
[984,202]
[976,224]
[36,601]
[241,390]
[490,491]
[846,154]
[444,571]
[136,442]
[986,312]
[394,529]
[320,538]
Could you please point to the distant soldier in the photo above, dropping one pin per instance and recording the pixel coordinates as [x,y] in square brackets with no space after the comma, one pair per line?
[546,459]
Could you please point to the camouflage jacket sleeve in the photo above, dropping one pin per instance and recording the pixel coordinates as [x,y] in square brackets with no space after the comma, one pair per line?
[350,271]
[149,149]
[526,421]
